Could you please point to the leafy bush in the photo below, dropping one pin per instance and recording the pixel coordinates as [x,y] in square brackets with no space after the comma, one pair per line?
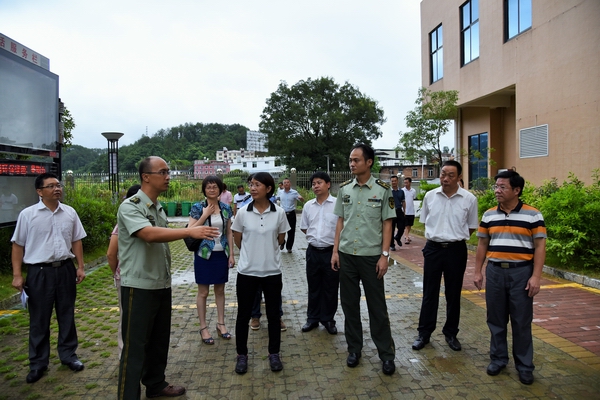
[425,187]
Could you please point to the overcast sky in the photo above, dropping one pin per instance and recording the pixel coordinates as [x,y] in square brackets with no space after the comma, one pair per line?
[135,66]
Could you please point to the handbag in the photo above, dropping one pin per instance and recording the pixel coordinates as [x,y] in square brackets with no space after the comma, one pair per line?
[191,243]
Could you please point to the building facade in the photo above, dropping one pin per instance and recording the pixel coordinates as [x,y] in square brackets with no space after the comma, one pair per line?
[527,73]
[258,164]
[204,168]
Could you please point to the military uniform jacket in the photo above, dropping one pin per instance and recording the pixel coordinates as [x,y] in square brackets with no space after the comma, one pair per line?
[143,265]
[363,208]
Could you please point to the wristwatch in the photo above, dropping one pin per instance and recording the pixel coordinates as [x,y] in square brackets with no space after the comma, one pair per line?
[385,254]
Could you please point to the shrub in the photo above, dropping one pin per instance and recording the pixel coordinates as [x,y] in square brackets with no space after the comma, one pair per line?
[425,187]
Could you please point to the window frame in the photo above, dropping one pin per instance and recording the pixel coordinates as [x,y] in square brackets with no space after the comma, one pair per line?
[436,57]
[508,4]
[472,29]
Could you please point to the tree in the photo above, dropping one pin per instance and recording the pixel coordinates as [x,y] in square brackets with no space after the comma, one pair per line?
[68,126]
[314,119]
[428,122]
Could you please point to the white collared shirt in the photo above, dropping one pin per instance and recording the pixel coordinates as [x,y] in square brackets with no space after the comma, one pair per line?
[448,219]
[47,236]
[319,221]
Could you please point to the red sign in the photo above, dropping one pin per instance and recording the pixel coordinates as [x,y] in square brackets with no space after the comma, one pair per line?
[15,168]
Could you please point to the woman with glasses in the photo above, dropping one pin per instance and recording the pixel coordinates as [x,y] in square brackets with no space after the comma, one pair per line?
[214,257]
[258,230]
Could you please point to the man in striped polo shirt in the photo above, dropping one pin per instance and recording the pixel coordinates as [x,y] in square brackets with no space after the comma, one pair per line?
[512,237]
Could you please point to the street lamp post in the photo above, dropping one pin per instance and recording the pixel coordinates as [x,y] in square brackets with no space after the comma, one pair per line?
[327,155]
[113,157]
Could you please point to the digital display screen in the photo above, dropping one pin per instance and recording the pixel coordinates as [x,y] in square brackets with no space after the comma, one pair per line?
[17,187]
[28,105]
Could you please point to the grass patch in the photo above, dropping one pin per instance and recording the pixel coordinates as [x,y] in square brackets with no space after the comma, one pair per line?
[91,386]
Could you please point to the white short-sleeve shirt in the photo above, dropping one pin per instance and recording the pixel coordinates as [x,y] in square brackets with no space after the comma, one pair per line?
[260,255]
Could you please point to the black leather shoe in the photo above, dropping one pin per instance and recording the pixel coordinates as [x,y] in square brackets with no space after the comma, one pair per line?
[453,343]
[241,365]
[389,367]
[35,375]
[352,360]
[494,369]
[420,342]
[526,377]
[392,248]
[309,326]
[398,240]
[75,365]
[330,326]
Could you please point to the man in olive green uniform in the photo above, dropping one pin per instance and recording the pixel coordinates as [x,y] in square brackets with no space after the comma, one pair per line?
[145,262]
[365,208]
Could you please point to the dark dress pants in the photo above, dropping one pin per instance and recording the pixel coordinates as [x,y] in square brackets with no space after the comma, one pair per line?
[450,262]
[506,297]
[256,306]
[246,287]
[353,270]
[323,284]
[291,234]
[146,334]
[47,288]
[397,222]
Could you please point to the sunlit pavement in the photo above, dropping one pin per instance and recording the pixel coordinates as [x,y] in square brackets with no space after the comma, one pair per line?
[566,340]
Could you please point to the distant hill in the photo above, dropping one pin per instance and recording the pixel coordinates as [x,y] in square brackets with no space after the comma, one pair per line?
[179,146]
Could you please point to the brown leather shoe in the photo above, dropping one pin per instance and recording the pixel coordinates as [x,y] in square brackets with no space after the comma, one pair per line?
[169,391]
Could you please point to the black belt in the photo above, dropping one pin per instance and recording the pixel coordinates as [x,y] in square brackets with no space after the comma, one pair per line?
[445,244]
[54,264]
[503,264]
[320,249]
[290,212]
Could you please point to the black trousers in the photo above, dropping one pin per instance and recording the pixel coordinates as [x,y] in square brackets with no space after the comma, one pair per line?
[246,287]
[146,331]
[323,285]
[397,222]
[49,288]
[450,262]
[291,234]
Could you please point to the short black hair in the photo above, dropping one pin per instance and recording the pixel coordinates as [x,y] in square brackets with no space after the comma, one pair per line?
[144,166]
[453,163]
[39,180]
[408,178]
[266,179]
[133,190]
[368,152]
[514,179]
[320,175]
[212,179]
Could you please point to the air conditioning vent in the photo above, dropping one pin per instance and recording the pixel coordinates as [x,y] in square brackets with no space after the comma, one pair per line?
[533,142]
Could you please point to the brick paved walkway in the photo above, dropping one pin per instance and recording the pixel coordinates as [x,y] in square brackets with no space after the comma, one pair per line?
[566,336]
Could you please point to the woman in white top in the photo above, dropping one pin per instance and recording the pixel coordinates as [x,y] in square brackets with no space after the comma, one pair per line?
[258,231]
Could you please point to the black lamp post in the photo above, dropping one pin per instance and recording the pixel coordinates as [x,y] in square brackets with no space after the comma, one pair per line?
[113,157]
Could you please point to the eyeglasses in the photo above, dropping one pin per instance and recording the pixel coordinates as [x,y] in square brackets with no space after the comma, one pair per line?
[52,187]
[503,188]
[162,172]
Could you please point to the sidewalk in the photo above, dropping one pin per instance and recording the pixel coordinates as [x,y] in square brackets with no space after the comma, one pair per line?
[566,340]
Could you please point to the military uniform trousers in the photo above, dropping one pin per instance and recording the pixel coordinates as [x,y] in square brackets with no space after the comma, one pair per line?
[146,335]
[353,270]
[505,296]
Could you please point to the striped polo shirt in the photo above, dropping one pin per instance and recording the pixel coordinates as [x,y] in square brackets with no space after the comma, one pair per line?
[511,235]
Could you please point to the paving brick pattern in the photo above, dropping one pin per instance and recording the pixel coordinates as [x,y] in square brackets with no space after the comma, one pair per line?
[566,336]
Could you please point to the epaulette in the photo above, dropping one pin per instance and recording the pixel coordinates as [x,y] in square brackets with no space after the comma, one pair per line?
[345,183]
[382,184]
[134,199]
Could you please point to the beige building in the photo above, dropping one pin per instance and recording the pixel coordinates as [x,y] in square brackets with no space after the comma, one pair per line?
[528,76]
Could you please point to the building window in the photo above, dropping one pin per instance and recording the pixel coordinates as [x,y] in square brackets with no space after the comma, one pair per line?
[244,165]
[478,159]
[430,172]
[254,164]
[415,173]
[517,17]
[436,58]
[470,31]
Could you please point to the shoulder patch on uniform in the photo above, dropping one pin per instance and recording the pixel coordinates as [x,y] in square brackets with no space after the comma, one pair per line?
[134,199]
[345,183]
[382,184]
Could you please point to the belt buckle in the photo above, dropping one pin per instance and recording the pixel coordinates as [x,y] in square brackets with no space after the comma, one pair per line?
[444,245]
[504,265]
